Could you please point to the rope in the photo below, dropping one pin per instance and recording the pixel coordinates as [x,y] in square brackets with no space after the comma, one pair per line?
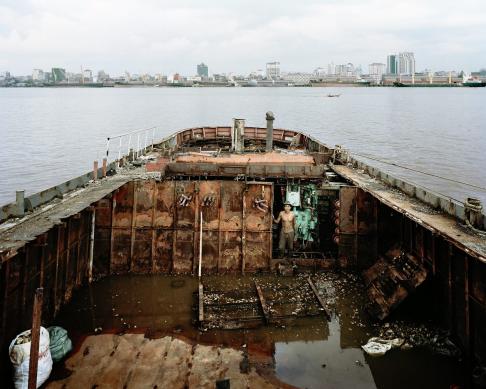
[421,171]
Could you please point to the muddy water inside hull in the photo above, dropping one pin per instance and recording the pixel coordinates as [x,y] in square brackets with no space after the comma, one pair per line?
[309,353]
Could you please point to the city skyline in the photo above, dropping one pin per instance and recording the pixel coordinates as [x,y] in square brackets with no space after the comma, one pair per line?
[162,37]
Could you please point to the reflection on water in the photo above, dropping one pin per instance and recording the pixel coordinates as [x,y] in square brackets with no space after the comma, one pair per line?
[313,353]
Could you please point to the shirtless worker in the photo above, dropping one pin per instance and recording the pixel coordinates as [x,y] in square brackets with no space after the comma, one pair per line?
[287,218]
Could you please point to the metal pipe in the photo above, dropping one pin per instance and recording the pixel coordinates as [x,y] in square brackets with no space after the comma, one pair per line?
[200,244]
[95,170]
[103,169]
[91,246]
[269,143]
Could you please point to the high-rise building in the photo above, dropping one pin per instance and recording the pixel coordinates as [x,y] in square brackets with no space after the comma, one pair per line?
[58,74]
[202,70]
[273,70]
[331,68]
[406,63]
[376,71]
[392,64]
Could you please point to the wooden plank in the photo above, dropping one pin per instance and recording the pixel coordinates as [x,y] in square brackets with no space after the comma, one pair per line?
[266,311]
[35,338]
[321,301]
[243,231]
[201,302]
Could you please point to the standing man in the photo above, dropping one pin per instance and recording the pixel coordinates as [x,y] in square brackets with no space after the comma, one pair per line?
[286,240]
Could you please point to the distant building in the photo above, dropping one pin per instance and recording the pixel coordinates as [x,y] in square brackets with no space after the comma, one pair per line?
[331,69]
[345,70]
[392,64]
[38,75]
[102,76]
[406,63]
[297,78]
[376,71]
[202,70]
[87,75]
[273,70]
[58,75]
[319,72]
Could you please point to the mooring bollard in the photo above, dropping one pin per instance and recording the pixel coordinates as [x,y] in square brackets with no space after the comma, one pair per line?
[95,170]
[20,202]
[104,167]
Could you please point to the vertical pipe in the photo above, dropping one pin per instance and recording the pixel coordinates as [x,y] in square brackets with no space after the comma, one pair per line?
[35,338]
[103,174]
[129,143]
[269,143]
[91,245]
[107,147]
[153,138]
[95,170]
[145,142]
[200,243]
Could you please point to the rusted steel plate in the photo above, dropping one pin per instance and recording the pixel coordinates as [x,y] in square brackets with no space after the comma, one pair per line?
[209,251]
[209,203]
[248,159]
[390,280]
[185,204]
[123,211]
[258,214]
[478,281]
[184,251]
[101,252]
[103,213]
[231,205]
[165,205]
[367,212]
[230,251]
[163,251]
[120,256]
[141,261]
[144,203]
[347,212]
[257,251]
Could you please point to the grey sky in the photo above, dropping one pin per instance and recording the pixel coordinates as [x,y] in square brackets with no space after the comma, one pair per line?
[240,36]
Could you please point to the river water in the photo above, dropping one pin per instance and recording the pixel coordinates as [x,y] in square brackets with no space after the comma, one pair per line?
[50,135]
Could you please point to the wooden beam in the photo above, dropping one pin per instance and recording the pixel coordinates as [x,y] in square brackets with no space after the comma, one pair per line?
[35,338]
[266,311]
[243,231]
[319,298]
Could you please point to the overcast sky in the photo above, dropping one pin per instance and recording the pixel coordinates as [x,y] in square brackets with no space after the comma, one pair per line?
[157,36]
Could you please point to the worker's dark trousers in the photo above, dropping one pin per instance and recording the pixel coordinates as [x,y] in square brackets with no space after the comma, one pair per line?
[286,241]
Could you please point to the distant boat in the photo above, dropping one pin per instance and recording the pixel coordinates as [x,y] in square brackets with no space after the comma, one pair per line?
[473,82]
[331,95]
[468,80]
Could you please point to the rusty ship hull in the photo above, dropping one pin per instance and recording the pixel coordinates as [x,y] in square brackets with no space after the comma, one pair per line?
[203,200]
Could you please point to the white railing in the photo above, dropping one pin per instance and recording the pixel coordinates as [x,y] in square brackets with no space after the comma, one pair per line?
[137,140]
